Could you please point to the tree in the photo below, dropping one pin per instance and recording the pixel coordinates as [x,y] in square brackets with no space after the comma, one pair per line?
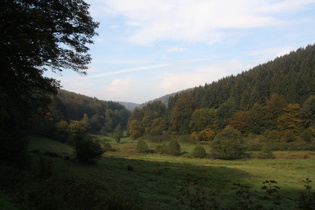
[135,129]
[38,36]
[289,121]
[239,121]
[206,135]
[86,150]
[182,111]
[225,111]
[256,119]
[227,144]
[201,119]
[308,111]
[274,108]
[117,133]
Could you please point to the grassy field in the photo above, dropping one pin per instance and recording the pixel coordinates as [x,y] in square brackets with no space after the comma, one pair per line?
[156,181]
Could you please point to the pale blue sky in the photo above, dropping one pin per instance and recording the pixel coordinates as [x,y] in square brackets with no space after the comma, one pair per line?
[150,48]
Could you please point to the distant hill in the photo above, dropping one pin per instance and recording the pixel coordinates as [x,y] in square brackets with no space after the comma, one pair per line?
[129,105]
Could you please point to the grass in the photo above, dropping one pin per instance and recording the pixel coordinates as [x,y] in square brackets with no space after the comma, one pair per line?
[156,181]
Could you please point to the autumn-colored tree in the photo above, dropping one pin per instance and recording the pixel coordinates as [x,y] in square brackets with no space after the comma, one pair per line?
[135,129]
[290,119]
[157,127]
[206,135]
[195,135]
[239,121]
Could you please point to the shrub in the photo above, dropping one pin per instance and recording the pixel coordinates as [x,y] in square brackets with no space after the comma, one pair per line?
[199,152]
[86,150]
[266,153]
[173,148]
[206,135]
[142,146]
[161,149]
[227,144]
[107,147]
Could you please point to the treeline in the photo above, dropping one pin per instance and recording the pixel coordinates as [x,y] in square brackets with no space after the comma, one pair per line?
[70,111]
[275,102]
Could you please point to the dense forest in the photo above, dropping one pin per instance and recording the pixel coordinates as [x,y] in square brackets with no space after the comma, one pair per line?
[69,109]
[272,104]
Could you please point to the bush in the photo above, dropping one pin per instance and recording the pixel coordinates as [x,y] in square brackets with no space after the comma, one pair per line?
[86,150]
[265,153]
[161,149]
[173,148]
[107,147]
[142,146]
[228,144]
[199,152]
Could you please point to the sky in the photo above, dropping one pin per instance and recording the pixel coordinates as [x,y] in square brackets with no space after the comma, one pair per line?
[149,48]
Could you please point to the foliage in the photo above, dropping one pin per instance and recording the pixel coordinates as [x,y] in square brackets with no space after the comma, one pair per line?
[173,148]
[37,36]
[239,121]
[206,135]
[161,149]
[135,129]
[272,191]
[181,113]
[86,150]
[117,133]
[227,144]
[225,111]
[254,102]
[307,198]
[202,119]
[142,146]
[193,195]
[245,201]
[199,152]
[266,153]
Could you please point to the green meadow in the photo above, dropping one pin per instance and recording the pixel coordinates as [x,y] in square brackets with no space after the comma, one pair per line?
[154,181]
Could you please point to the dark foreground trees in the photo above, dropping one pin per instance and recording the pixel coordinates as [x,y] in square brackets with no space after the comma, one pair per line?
[38,36]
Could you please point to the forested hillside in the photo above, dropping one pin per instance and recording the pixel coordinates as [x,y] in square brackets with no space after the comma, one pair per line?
[275,100]
[69,109]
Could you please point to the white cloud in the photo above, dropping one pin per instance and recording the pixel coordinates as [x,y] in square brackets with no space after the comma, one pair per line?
[151,21]
[127,70]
